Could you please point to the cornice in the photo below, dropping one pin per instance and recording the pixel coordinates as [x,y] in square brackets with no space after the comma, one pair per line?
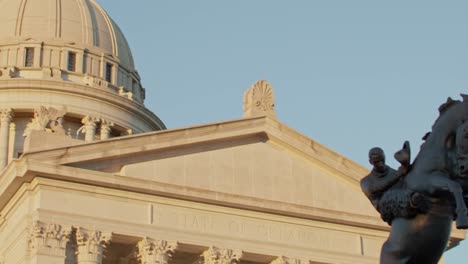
[81,90]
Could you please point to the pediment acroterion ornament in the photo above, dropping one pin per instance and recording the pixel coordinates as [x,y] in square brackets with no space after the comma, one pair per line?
[259,100]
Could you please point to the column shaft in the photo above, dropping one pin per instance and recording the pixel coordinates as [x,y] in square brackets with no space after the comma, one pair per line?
[5,119]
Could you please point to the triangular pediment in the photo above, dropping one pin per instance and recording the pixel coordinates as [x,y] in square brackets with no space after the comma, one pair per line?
[256,162]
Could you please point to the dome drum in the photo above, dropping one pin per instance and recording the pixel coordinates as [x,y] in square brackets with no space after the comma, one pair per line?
[30,59]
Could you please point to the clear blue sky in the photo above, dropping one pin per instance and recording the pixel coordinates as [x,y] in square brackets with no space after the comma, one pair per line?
[349,74]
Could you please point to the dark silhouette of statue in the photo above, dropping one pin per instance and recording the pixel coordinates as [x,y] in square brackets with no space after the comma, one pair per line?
[380,179]
[421,199]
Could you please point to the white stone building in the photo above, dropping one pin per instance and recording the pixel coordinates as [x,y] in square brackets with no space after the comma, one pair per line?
[89,175]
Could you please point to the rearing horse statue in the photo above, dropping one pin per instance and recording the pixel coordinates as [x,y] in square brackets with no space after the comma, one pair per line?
[421,199]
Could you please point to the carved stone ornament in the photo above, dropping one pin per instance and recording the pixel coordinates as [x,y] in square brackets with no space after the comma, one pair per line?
[89,127]
[8,72]
[155,251]
[421,199]
[106,127]
[221,256]
[6,115]
[286,260]
[91,245]
[49,239]
[259,100]
[123,93]
[46,119]
[95,81]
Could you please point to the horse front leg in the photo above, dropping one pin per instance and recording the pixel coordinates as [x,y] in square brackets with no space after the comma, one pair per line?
[442,183]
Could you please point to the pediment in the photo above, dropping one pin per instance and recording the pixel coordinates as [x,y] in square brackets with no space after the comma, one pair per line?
[247,162]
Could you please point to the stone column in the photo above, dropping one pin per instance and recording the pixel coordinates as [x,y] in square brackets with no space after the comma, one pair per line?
[220,256]
[106,129]
[11,143]
[48,242]
[91,245]
[155,251]
[89,127]
[5,118]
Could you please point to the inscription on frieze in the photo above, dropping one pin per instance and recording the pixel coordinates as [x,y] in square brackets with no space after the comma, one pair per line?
[256,229]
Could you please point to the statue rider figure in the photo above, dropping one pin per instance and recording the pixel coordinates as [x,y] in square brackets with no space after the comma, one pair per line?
[381,178]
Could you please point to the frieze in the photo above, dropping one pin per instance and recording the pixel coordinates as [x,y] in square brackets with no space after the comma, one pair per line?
[255,229]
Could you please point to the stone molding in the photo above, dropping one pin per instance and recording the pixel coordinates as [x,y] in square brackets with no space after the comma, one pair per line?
[259,100]
[155,251]
[215,255]
[49,239]
[91,245]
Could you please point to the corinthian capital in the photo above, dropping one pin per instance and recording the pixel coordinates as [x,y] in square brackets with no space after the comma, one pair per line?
[221,256]
[91,245]
[86,237]
[6,115]
[286,260]
[49,239]
[89,120]
[155,251]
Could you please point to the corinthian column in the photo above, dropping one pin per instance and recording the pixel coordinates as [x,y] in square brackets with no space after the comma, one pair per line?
[106,129]
[5,119]
[48,242]
[155,251]
[89,127]
[91,245]
[220,256]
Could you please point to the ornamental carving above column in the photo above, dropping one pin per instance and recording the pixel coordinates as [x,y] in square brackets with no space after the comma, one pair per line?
[259,100]
[46,119]
[89,127]
[155,251]
[106,127]
[6,115]
[286,260]
[91,245]
[49,239]
[216,255]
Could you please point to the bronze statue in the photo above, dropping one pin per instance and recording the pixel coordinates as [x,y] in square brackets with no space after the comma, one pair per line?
[380,179]
[422,198]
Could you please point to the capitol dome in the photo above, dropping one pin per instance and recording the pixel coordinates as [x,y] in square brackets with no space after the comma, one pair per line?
[70,57]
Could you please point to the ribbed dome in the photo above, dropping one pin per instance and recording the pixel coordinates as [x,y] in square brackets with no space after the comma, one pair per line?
[68,57]
[74,22]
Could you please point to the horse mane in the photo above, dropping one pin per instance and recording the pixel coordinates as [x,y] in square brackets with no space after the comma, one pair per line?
[450,102]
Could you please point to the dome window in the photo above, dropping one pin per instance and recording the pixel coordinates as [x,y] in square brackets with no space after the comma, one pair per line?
[29,57]
[109,69]
[71,61]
